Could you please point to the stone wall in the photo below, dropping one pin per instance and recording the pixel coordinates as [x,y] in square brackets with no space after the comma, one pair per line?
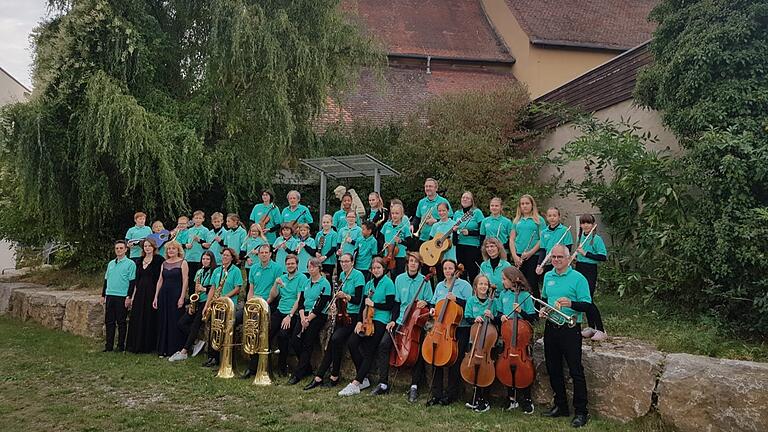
[626,379]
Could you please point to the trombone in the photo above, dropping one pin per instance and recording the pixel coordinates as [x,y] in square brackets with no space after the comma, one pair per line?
[424,221]
[558,318]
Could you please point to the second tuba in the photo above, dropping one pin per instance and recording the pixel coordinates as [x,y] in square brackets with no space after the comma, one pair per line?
[256,336]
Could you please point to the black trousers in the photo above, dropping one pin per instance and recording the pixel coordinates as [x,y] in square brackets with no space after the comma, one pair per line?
[335,352]
[193,268]
[451,391]
[190,326]
[529,271]
[385,348]
[594,318]
[363,350]
[283,340]
[115,314]
[471,258]
[559,343]
[328,272]
[303,344]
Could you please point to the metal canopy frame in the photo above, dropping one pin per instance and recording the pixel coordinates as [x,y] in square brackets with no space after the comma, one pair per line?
[355,166]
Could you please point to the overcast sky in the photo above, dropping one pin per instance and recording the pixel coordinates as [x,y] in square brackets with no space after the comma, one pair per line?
[17,19]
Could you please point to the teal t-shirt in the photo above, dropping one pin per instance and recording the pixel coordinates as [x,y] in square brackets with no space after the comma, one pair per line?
[494,274]
[137,233]
[216,246]
[313,292]
[594,245]
[406,287]
[204,276]
[195,237]
[234,238]
[389,231]
[423,207]
[461,288]
[282,247]
[476,308]
[527,233]
[300,214]
[550,236]
[366,249]
[303,255]
[290,292]
[353,233]
[506,301]
[331,240]
[275,219]
[234,279]
[439,228]
[471,225]
[263,277]
[497,227]
[378,293]
[356,279]
[250,247]
[340,220]
[119,275]
[571,284]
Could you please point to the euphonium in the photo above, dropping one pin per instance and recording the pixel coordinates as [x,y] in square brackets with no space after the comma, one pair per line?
[256,336]
[222,312]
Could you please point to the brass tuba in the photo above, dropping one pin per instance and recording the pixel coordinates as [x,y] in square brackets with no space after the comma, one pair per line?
[256,336]
[222,312]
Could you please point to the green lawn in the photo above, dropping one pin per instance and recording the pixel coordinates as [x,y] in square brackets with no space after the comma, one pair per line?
[56,381]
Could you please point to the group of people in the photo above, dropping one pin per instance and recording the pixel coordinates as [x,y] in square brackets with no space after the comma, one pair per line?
[372,265]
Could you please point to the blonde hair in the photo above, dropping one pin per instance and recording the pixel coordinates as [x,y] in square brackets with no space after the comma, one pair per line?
[303,225]
[495,241]
[217,215]
[534,210]
[475,283]
[177,246]
[198,213]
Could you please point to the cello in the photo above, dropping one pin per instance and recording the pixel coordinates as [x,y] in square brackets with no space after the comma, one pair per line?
[407,336]
[477,367]
[514,367]
[440,347]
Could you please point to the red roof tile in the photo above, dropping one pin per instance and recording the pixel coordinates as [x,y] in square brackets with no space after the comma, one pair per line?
[607,24]
[450,28]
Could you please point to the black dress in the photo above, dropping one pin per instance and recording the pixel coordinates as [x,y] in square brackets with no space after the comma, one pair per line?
[142,325]
[170,339]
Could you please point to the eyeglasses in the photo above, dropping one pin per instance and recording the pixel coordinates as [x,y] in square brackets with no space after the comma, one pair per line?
[557,256]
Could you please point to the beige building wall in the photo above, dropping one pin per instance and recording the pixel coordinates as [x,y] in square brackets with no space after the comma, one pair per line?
[541,69]
[648,120]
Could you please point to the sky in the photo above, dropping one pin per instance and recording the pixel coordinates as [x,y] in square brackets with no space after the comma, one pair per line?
[17,19]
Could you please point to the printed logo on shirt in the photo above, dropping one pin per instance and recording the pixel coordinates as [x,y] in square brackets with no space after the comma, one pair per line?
[257,274]
[551,283]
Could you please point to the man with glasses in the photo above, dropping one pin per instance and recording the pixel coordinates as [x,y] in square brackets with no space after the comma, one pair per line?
[567,290]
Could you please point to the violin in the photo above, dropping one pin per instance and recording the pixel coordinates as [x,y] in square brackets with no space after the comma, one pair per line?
[295,222]
[342,316]
[266,218]
[367,329]
[408,335]
[392,249]
[514,367]
[440,347]
[477,368]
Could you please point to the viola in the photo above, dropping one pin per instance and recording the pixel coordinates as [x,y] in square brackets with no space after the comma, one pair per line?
[514,367]
[440,347]
[477,368]
[367,329]
[407,336]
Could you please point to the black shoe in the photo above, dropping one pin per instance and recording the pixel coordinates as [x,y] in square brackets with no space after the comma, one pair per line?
[247,374]
[120,349]
[434,401]
[312,384]
[556,411]
[446,401]
[379,390]
[579,420]
[294,380]
[107,350]
[331,382]
[526,407]
[482,407]
[413,394]
[211,362]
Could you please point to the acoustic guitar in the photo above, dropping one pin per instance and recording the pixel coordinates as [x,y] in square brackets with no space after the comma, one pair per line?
[432,251]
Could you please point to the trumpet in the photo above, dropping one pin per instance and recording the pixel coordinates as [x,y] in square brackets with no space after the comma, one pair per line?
[558,318]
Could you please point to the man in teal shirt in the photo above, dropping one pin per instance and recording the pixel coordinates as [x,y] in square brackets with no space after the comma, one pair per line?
[426,210]
[119,281]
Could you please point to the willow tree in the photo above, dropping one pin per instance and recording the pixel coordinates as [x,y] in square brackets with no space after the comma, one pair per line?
[163,105]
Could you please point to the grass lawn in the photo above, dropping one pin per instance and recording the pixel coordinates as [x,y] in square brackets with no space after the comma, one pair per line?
[56,381]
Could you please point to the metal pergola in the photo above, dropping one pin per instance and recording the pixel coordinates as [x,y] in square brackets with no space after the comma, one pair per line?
[339,167]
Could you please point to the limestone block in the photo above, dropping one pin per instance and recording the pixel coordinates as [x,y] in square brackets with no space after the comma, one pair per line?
[84,316]
[7,288]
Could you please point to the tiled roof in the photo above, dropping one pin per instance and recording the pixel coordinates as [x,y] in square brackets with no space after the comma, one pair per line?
[400,92]
[602,24]
[450,28]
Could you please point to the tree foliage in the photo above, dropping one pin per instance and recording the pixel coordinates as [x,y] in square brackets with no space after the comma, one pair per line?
[165,106]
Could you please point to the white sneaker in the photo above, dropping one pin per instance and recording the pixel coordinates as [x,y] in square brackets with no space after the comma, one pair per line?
[365,384]
[177,356]
[588,332]
[350,390]
[198,347]
[599,336]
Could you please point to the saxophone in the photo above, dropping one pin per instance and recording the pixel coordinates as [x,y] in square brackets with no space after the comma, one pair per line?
[195,297]
[256,336]
[222,313]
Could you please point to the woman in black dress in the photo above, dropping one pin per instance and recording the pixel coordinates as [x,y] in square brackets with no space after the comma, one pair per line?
[142,326]
[169,299]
